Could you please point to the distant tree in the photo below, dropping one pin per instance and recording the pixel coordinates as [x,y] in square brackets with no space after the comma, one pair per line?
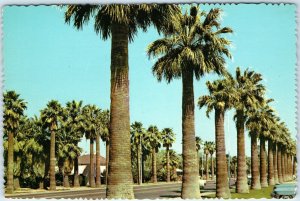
[168,138]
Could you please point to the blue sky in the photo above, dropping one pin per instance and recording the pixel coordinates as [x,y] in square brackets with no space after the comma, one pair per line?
[46,59]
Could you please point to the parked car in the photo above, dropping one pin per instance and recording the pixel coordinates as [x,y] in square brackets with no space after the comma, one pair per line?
[285,191]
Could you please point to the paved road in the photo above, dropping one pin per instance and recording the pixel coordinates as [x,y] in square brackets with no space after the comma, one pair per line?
[141,192]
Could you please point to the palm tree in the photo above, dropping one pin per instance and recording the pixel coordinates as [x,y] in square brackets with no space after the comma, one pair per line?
[168,138]
[51,118]
[74,122]
[207,148]
[250,93]
[105,137]
[193,47]
[102,129]
[199,143]
[220,98]
[212,151]
[121,22]
[154,138]
[137,135]
[13,111]
[91,116]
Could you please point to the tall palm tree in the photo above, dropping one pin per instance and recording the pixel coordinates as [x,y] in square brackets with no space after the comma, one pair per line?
[154,138]
[250,93]
[168,138]
[220,98]
[74,122]
[194,47]
[91,116]
[120,22]
[137,135]
[13,111]
[51,117]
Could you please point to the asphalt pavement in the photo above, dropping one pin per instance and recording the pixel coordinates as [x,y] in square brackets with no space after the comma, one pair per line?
[171,190]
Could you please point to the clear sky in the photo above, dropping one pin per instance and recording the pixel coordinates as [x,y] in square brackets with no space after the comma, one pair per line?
[46,59]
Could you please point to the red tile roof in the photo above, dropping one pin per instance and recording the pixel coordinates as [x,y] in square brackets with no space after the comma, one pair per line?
[85,160]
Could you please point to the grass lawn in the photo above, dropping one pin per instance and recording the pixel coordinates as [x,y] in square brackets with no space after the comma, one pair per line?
[263,193]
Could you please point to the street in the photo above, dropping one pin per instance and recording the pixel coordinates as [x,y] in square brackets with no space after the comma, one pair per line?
[171,190]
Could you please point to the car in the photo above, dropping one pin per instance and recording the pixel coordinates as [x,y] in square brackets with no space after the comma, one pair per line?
[285,191]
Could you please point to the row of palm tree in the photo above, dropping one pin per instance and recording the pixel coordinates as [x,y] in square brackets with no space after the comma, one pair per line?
[246,95]
[192,45]
[150,141]
[54,135]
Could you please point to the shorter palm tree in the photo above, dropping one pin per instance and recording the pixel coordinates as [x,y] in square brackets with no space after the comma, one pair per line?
[51,117]
[168,138]
[13,111]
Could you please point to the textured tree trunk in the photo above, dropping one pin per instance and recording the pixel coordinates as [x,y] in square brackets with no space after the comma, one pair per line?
[294,165]
[168,164]
[10,164]
[52,161]
[271,179]
[222,190]
[41,184]
[92,168]
[276,180]
[138,157]
[263,167]
[76,176]
[154,172]
[16,182]
[46,173]
[255,175]
[212,167]
[66,180]
[106,161]
[279,164]
[190,180]
[241,183]
[98,171]
[119,183]
[206,169]
[283,165]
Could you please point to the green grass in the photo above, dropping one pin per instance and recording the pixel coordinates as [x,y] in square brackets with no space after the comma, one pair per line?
[263,193]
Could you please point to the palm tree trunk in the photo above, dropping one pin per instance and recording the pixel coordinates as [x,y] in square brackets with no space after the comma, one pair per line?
[241,183]
[52,161]
[206,171]
[138,165]
[119,183]
[98,171]
[46,172]
[276,180]
[271,179]
[190,181]
[212,167]
[66,175]
[10,164]
[168,164]
[76,176]
[294,165]
[106,161]
[255,176]
[279,164]
[283,165]
[92,168]
[16,182]
[154,172]
[263,168]
[222,190]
